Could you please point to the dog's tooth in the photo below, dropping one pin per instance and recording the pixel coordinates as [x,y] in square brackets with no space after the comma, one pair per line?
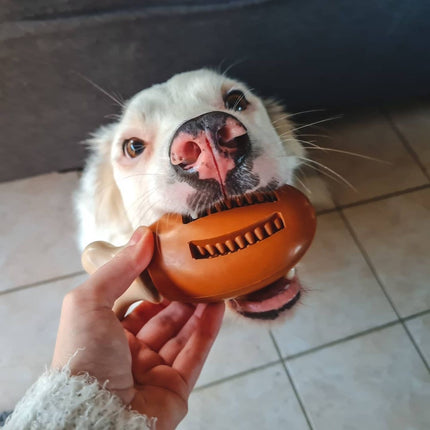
[240,241]
[202,250]
[260,197]
[230,245]
[249,236]
[249,198]
[211,249]
[228,204]
[221,248]
[239,200]
[259,232]
[278,223]
[269,228]
[290,275]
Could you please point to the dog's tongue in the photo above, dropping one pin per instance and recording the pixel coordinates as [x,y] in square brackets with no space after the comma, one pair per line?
[273,297]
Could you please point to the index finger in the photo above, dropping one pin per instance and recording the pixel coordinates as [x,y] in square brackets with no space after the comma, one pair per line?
[141,315]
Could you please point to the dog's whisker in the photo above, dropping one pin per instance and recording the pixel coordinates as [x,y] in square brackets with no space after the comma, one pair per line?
[106,93]
[149,208]
[322,172]
[299,171]
[142,202]
[296,177]
[318,122]
[327,136]
[119,97]
[113,116]
[235,63]
[141,199]
[307,111]
[286,116]
[286,133]
[314,146]
[355,154]
[292,115]
[323,166]
[328,169]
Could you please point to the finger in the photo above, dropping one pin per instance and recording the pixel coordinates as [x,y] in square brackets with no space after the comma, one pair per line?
[143,358]
[141,315]
[174,346]
[112,279]
[165,325]
[190,360]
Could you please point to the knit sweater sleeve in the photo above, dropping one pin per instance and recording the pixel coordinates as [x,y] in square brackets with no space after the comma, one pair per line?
[60,401]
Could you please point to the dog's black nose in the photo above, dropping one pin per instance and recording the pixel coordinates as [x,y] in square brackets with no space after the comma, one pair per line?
[212,145]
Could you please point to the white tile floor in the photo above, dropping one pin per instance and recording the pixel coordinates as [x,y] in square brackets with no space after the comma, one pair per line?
[354,355]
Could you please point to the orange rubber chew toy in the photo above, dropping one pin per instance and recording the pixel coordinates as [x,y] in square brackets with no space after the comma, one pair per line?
[240,246]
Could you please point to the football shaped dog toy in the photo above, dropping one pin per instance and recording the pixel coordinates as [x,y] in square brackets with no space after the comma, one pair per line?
[239,246]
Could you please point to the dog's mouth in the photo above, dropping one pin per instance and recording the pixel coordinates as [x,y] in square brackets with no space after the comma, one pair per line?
[268,302]
[249,199]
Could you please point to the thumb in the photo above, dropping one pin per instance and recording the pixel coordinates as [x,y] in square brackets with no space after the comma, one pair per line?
[113,278]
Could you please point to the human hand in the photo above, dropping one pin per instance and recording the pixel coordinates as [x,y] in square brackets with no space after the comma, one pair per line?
[152,358]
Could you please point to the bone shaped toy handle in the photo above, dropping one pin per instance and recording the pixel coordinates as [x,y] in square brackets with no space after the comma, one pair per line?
[97,254]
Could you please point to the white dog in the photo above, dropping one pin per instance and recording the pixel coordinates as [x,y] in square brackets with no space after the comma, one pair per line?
[183,146]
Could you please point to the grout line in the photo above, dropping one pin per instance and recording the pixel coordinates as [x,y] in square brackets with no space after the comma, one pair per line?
[39,283]
[326,211]
[374,199]
[381,285]
[414,343]
[307,351]
[238,375]
[406,144]
[293,385]
[341,340]
[418,314]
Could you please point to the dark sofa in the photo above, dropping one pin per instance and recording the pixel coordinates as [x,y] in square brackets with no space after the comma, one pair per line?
[308,53]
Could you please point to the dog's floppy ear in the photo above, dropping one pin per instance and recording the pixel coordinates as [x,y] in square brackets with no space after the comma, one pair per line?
[99,203]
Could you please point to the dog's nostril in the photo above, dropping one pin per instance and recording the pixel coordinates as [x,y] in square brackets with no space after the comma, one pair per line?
[185,155]
[231,137]
[225,134]
[236,142]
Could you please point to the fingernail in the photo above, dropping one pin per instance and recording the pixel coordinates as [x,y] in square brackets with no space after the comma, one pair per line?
[137,236]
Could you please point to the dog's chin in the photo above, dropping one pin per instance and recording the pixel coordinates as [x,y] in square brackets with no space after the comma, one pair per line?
[269,302]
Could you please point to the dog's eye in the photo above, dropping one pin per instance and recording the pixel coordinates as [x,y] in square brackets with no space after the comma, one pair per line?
[133,147]
[236,100]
